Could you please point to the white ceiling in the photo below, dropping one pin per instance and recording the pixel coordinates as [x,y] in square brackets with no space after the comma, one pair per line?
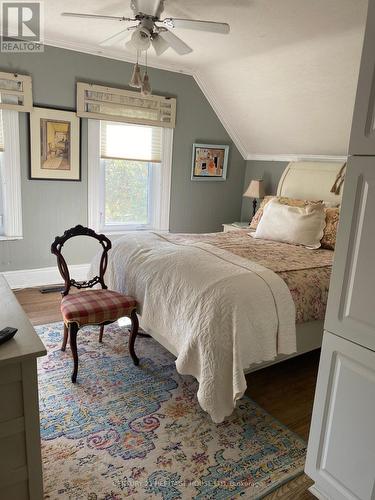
[282,82]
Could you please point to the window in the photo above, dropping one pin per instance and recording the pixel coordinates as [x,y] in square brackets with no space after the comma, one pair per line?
[10,177]
[129,176]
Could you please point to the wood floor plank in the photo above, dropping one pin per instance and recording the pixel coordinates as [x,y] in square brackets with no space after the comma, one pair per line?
[285,390]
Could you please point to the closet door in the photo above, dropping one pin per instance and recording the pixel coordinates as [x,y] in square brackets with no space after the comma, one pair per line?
[341,451]
[362,140]
[351,301]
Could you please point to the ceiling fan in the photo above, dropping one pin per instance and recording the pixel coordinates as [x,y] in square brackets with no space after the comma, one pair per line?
[151,29]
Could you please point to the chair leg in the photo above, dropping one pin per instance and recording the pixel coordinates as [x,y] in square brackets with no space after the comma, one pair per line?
[133,336]
[101,333]
[73,329]
[65,340]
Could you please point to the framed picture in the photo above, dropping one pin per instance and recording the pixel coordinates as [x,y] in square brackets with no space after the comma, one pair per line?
[210,162]
[54,145]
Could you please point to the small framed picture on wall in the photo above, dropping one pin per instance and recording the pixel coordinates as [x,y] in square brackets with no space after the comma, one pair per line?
[54,145]
[210,162]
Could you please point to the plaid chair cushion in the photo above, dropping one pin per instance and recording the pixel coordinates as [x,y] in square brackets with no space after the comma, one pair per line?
[93,307]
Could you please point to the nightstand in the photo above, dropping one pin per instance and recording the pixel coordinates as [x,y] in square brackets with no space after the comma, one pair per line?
[239,226]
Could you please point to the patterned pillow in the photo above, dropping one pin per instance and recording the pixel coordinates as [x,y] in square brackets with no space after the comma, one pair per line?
[332,221]
[293,202]
[258,214]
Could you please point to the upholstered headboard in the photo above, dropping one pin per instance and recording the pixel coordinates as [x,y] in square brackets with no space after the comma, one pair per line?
[310,180]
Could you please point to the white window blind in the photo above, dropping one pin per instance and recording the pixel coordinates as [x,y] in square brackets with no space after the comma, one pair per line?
[130,142]
[16,92]
[107,103]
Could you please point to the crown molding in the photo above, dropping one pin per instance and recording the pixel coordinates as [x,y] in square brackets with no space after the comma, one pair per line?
[111,54]
[219,113]
[295,157]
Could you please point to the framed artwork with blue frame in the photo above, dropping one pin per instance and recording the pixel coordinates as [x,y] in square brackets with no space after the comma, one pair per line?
[209,162]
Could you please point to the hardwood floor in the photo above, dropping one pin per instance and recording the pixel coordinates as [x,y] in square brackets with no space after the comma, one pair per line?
[285,390]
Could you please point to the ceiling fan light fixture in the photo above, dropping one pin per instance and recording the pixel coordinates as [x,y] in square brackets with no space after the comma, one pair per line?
[136,79]
[141,39]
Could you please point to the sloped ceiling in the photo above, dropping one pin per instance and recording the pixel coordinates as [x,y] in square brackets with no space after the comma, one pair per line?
[282,82]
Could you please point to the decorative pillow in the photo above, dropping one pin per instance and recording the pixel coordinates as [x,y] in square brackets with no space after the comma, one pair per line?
[258,214]
[293,202]
[292,224]
[332,222]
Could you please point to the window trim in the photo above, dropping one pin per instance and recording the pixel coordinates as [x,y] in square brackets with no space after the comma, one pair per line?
[11,175]
[161,213]
[26,92]
[165,106]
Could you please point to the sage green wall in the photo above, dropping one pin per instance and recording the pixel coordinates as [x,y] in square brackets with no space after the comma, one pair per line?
[49,207]
[269,171]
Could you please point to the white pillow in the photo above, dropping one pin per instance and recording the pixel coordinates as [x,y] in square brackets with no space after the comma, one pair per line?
[296,225]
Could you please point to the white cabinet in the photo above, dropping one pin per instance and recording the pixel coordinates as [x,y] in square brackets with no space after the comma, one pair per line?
[341,450]
[362,141]
[351,303]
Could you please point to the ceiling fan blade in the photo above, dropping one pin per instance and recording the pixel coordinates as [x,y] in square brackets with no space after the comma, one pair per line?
[150,7]
[195,24]
[159,44]
[175,43]
[96,16]
[117,37]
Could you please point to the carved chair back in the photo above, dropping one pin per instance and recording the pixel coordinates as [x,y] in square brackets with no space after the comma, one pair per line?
[56,249]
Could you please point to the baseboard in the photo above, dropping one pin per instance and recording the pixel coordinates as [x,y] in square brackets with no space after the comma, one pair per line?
[317,494]
[27,278]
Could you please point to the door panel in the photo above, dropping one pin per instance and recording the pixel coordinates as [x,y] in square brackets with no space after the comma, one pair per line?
[362,139]
[341,451]
[351,302]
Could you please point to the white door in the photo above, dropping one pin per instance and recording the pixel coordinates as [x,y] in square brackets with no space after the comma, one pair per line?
[362,140]
[351,301]
[341,451]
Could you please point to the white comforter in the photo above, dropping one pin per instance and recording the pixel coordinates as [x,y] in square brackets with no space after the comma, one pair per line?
[218,312]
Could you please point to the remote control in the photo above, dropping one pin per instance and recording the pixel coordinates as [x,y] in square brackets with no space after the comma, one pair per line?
[7,333]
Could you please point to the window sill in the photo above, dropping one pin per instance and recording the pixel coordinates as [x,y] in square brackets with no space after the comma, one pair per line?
[10,238]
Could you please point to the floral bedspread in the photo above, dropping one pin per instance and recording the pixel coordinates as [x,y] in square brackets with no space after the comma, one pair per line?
[306,272]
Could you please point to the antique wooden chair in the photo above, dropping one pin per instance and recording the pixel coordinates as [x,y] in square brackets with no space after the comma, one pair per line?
[92,307]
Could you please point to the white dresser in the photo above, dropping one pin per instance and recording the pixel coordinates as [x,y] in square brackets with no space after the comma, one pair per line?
[341,449]
[20,457]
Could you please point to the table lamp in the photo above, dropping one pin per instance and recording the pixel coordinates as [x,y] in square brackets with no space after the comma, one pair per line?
[255,190]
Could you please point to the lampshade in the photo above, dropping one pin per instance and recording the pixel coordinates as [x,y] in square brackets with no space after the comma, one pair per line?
[255,190]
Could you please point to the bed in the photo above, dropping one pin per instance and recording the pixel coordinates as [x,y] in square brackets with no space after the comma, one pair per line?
[226,304]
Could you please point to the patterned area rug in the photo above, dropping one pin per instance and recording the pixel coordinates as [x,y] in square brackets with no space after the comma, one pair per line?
[138,432]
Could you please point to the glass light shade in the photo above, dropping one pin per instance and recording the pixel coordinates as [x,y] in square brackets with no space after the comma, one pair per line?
[159,45]
[140,39]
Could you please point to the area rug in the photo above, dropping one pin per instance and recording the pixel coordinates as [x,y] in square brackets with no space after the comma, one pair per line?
[138,432]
